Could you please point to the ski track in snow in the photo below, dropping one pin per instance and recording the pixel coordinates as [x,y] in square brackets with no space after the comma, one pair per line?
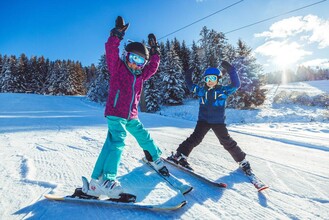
[40,155]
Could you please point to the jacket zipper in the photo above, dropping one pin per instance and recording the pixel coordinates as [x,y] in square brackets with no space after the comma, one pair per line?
[116,98]
[133,96]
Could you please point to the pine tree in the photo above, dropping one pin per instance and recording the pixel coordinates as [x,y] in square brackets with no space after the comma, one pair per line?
[55,78]
[161,71]
[43,69]
[152,93]
[98,90]
[213,44]
[152,90]
[78,78]
[34,72]
[173,80]
[91,75]
[196,64]
[23,76]
[250,93]
[1,64]
[185,57]
[8,76]
[177,47]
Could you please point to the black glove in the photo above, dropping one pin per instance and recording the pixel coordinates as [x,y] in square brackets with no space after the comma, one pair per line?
[120,28]
[152,41]
[227,66]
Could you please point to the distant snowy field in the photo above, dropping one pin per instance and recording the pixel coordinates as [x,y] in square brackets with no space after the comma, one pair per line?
[48,142]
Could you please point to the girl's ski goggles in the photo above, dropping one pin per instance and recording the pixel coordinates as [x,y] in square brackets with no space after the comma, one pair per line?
[136,59]
[210,78]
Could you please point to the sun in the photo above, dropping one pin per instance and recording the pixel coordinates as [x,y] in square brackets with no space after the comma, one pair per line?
[287,54]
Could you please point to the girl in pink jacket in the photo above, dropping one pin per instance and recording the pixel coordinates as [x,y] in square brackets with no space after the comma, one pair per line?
[127,77]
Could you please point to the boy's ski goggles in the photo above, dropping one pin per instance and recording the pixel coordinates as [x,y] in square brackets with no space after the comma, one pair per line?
[210,78]
[136,59]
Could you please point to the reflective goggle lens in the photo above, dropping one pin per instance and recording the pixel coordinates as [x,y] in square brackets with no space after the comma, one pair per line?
[210,78]
[136,59]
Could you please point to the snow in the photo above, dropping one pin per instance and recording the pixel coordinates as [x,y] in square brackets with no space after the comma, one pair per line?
[49,142]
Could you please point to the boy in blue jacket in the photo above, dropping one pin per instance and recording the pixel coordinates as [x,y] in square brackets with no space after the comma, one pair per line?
[212,116]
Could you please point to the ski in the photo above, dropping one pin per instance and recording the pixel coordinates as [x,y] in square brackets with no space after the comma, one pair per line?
[172,180]
[258,184]
[199,176]
[125,201]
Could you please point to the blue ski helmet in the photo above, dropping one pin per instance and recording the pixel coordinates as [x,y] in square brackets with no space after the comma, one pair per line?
[212,71]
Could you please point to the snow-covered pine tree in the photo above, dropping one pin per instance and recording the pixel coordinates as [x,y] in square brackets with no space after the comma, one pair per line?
[185,57]
[67,86]
[56,78]
[229,55]
[91,75]
[34,72]
[5,62]
[38,72]
[250,93]
[152,93]
[212,44]
[23,76]
[98,90]
[176,46]
[78,78]
[65,78]
[173,79]
[195,62]
[152,87]
[1,64]
[8,76]
[43,68]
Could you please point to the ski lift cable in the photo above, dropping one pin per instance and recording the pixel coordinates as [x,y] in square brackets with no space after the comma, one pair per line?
[270,18]
[267,19]
[227,7]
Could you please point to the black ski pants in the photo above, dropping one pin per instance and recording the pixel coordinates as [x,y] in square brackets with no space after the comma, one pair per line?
[222,134]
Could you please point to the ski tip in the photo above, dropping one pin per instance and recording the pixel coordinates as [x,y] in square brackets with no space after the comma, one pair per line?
[222,185]
[263,188]
[183,203]
[53,197]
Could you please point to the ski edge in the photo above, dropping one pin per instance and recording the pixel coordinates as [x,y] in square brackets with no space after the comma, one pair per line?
[217,184]
[187,188]
[120,204]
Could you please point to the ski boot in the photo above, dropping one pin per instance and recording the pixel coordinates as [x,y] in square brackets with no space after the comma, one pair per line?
[180,159]
[160,167]
[245,166]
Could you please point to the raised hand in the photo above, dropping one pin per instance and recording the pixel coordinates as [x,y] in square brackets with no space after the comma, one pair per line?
[120,28]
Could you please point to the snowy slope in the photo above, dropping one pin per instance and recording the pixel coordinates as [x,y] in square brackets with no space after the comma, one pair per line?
[47,143]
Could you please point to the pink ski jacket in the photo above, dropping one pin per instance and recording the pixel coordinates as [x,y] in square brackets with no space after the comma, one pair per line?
[125,88]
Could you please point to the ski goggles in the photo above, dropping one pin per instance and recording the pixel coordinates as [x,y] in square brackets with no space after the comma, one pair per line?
[136,59]
[210,78]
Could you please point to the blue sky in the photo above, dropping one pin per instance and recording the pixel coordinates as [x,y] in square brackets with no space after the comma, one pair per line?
[77,30]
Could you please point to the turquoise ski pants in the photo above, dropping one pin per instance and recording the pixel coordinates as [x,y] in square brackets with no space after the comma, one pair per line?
[109,159]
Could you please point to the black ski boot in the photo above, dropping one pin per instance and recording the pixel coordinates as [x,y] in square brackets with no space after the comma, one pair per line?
[180,159]
[245,166]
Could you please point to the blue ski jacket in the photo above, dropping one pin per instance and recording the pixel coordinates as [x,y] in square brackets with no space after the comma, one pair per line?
[213,100]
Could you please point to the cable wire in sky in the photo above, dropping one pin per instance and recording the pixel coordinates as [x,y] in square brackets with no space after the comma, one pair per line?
[288,12]
[201,19]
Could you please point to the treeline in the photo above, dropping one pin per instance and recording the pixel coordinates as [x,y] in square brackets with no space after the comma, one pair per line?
[41,76]
[302,74]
